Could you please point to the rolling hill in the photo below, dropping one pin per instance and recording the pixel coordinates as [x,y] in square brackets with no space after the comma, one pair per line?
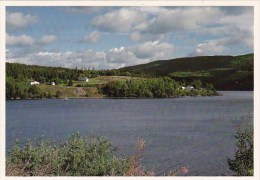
[224,72]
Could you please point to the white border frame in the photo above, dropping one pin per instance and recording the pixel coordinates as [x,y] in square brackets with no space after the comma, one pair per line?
[256,5]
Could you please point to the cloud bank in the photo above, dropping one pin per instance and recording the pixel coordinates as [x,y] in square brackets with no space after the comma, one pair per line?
[144,34]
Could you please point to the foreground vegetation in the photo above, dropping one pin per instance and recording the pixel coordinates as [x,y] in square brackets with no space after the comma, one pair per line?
[78,156]
[243,162]
[95,156]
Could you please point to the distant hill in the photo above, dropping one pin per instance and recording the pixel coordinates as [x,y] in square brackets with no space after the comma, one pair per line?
[224,72]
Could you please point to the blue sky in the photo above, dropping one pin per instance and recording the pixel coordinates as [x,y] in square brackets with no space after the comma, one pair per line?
[113,37]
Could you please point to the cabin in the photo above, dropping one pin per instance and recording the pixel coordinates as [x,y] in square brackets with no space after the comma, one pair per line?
[182,87]
[34,83]
[189,87]
[53,83]
[85,79]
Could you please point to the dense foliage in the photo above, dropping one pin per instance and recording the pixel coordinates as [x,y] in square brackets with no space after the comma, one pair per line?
[18,77]
[153,87]
[243,163]
[20,89]
[42,74]
[46,74]
[78,156]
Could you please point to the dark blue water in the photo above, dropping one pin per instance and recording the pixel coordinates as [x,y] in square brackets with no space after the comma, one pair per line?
[193,131]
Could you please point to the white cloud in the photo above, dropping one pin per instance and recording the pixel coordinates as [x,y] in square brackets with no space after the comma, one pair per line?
[150,28]
[21,40]
[25,40]
[18,20]
[156,19]
[113,58]
[157,23]
[213,47]
[135,36]
[47,39]
[92,37]
[183,19]
[144,37]
[154,50]
[86,10]
[231,30]
[237,27]
[122,20]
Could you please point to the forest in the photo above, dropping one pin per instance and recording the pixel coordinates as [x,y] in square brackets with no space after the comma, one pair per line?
[155,88]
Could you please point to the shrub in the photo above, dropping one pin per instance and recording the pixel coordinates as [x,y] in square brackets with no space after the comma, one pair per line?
[135,168]
[243,164]
[78,156]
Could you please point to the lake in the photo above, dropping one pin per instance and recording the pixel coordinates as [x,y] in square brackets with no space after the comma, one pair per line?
[197,132]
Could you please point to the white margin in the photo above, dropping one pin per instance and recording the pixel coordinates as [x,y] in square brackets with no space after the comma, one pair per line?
[256,5]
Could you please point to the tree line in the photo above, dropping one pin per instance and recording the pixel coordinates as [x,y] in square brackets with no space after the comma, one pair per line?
[154,88]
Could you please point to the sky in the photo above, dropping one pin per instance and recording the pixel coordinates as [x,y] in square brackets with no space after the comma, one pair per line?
[114,37]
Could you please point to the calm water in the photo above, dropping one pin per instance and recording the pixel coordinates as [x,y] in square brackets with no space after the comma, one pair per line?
[195,132]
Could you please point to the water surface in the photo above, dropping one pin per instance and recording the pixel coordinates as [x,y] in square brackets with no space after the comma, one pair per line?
[193,131]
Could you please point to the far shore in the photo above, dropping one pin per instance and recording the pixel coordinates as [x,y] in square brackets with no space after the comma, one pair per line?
[68,98]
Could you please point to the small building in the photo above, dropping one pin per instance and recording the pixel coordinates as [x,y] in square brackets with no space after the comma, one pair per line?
[182,87]
[34,83]
[53,83]
[189,87]
[83,79]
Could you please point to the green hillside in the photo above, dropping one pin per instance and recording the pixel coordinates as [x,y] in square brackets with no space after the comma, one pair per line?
[224,72]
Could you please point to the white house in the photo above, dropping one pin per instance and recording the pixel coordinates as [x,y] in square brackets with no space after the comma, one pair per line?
[34,83]
[83,79]
[182,87]
[189,87]
[53,83]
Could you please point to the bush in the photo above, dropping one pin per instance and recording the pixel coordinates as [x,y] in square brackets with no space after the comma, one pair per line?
[78,156]
[243,164]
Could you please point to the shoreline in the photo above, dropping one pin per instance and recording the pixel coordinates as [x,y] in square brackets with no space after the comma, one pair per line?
[68,98]
[218,94]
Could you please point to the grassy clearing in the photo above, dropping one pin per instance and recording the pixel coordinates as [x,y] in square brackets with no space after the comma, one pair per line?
[101,80]
[191,74]
[107,79]
[63,91]
[70,91]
